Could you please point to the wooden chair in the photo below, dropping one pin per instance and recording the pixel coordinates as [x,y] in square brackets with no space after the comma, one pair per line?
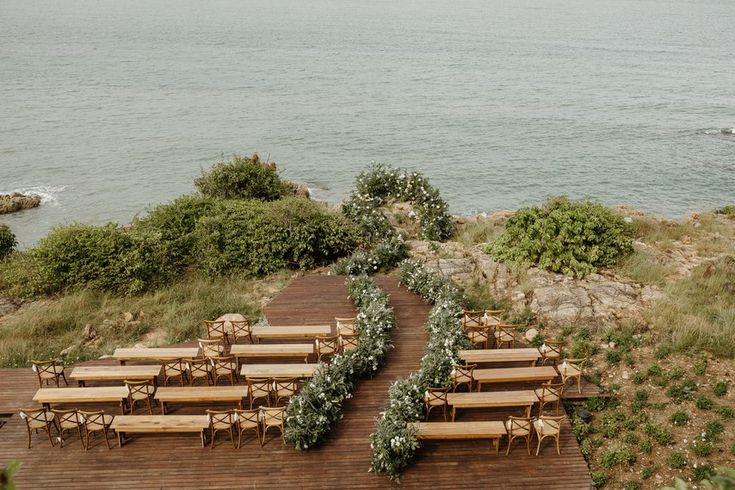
[473,318]
[48,371]
[174,369]
[273,417]
[224,367]
[284,389]
[247,420]
[505,335]
[97,421]
[547,427]
[493,317]
[573,369]
[259,389]
[69,420]
[140,391]
[463,375]
[436,397]
[38,419]
[242,329]
[326,345]
[479,336]
[211,348]
[550,351]
[216,330]
[549,393]
[222,421]
[199,369]
[519,427]
[346,326]
[348,342]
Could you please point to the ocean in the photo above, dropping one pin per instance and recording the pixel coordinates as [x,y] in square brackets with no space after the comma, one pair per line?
[109,107]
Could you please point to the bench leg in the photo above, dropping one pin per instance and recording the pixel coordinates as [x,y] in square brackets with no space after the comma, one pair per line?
[119,438]
[163,407]
[496,442]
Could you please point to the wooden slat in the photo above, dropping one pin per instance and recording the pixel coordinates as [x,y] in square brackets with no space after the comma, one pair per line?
[291,332]
[160,423]
[296,370]
[480,356]
[96,394]
[460,430]
[200,394]
[115,373]
[508,375]
[272,350]
[154,353]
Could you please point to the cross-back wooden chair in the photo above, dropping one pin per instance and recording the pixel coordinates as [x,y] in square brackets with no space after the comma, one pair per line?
[519,428]
[326,345]
[493,317]
[259,389]
[346,326]
[548,394]
[175,368]
[436,398]
[211,348]
[473,318]
[67,420]
[573,369]
[96,422]
[140,391]
[242,330]
[224,367]
[216,330]
[247,420]
[348,342]
[479,336]
[38,419]
[199,369]
[505,335]
[222,421]
[273,417]
[550,351]
[546,426]
[463,375]
[284,389]
[48,371]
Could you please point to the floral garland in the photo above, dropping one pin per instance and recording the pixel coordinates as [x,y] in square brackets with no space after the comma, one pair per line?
[372,190]
[311,413]
[394,442]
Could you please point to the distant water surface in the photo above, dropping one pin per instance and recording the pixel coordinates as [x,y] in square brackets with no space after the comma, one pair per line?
[107,107]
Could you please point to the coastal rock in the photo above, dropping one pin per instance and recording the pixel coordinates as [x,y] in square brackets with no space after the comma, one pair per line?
[10,203]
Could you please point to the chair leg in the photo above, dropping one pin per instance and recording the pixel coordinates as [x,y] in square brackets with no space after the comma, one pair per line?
[558,452]
[65,381]
[538,447]
[81,438]
[150,409]
[107,441]
[232,438]
[510,441]
[528,443]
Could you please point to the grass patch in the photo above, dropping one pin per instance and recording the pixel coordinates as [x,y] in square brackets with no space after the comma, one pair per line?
[646,267]
[477,232]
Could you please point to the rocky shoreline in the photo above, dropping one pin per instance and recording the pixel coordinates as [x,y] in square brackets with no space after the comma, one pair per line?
[11,203]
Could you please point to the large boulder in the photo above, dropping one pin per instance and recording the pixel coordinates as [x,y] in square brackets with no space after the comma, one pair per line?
[10,203]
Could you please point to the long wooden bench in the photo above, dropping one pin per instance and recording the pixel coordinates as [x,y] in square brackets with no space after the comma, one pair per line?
[272,350]
[144,372]
[489,356]
[278,370]
[156,354]
[511,375]
[74,396]
[493,430]
[271,332]
[200,394]
[125,424]
[492,399]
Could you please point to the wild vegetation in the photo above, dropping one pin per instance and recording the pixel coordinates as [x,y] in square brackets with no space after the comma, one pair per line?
[7,241]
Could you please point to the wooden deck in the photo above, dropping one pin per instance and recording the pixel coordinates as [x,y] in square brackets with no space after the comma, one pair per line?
[177,460]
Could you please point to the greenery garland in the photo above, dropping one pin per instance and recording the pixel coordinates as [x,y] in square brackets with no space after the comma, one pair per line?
[311,413]
[394,440]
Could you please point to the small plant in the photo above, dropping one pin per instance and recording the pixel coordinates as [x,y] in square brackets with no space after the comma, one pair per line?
[702,447]
[600,478]
[661,435]
[700,364]
[704,403]
[676,372]
[646,447]
[702,472]
[631,438]
[243,178]
[647,472]
[613,357]
[726,412]
[619,454]
[639,378]
[7,241]
[631,485]
[679,417]
[655,370]
[677,460]
[720,388]
[663,351]
[713,428]
[682,391]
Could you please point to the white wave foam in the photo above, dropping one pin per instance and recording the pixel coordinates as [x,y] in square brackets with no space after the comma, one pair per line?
[49,194]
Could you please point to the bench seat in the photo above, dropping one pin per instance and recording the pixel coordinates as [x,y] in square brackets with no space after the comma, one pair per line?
[123,424]
[493,430]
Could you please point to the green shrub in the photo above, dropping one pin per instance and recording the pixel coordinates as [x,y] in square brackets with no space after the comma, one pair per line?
[702,472]
[618,454]
[712,429]
[243,178]
[646,447]
[258,238]
[728,210]
[704,403]
[613,357]
[655,370]
[679,417]
[726,412]
[631,438]
[677,460]
[676,372]
[600,478]
[720,388]
[647,472]
[631,485]
[700,364]
[571,237]
[702,447]
[7,241]
[661,435]
[639,378]
[663,351]
[682,391]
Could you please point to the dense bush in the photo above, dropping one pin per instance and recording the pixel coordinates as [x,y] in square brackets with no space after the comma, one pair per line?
[258,238]
[7,241]
[243,178]
[571,237]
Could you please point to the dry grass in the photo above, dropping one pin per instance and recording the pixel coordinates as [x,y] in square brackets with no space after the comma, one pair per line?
[478,231]
[44,328]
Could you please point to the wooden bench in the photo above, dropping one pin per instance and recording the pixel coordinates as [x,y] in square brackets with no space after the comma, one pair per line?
[512,375]
[278,370]
[271,332]
[125,424]
[157,354]
[493,430]
[492,399]
[200,394]
[75,396]
[272,350]
[115,373]
[489,356]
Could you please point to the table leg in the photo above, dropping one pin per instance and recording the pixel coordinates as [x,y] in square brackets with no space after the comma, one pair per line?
[119,438]
[454,412]
[163,407]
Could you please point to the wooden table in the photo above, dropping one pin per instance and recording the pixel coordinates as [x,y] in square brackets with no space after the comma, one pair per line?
[492,399]
[145,372]
[271,332]
[481,356]
[75,396]
[200,394]
[492,430]
[123,424]
[509,375]
[278,370]
[272,350]
[154,354]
